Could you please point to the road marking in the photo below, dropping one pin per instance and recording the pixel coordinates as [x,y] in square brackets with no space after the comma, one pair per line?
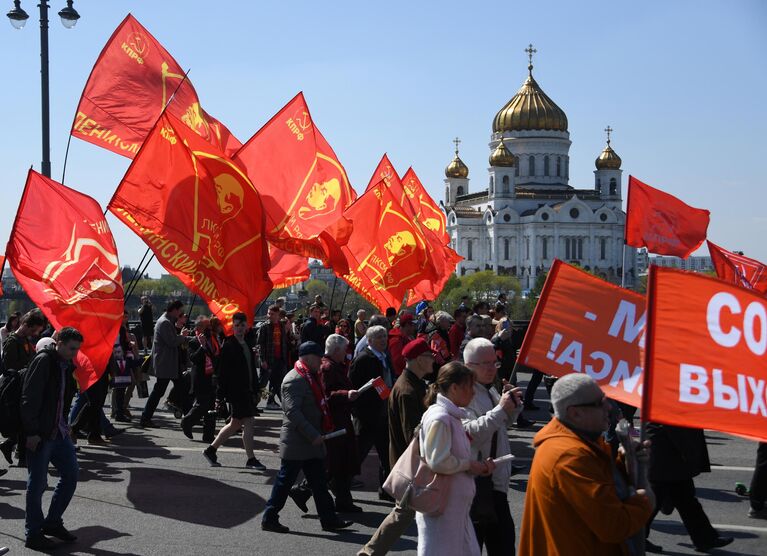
[725,526]
[731,468]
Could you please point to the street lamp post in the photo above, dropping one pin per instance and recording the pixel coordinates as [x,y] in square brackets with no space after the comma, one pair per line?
[69,17]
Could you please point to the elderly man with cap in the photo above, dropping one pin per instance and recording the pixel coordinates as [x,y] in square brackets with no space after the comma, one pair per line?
[577,500]
[306,419]
[406,408]
[488,417]
[398,339]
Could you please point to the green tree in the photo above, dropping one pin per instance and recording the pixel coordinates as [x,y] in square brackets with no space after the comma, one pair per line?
[317,287]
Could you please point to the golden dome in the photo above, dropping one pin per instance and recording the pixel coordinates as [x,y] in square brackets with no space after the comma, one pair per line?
[456,168]
[502,156]
[608,159]
[530,109]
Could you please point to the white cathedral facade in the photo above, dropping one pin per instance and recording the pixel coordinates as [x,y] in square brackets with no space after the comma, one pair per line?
[528,214]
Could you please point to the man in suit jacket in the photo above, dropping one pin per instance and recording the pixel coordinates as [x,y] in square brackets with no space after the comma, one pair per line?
[370,411]
[306,419]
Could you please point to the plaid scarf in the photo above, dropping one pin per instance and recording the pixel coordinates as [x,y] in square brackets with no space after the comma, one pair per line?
[319,397]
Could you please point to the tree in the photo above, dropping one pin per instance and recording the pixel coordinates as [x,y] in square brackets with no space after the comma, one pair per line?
[317,287]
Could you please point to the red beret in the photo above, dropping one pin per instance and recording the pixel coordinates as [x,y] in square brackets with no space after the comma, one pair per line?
[406,319]
[415,348]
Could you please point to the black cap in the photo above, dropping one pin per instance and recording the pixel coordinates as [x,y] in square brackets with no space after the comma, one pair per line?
[310,348]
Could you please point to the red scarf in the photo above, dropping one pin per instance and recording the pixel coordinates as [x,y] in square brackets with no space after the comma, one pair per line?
[319,397]
[213,346]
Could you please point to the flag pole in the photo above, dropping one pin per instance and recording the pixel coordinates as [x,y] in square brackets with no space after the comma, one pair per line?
[623,271]
[343,301]
[333,293]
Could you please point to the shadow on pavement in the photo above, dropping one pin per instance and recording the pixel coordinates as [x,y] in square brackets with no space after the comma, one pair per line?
[191,498]
[719,495]
[87,537]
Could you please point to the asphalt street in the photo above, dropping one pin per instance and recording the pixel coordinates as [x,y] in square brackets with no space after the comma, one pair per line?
[152,492]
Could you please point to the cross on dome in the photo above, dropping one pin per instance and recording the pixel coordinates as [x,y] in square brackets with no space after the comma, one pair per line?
[530,51]
[457,142]
[609,130]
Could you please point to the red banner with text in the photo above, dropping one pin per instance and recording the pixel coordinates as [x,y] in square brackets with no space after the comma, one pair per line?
[583,324]
[705,359]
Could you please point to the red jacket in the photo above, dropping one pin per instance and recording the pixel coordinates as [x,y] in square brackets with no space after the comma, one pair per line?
[457,334]
[397,342]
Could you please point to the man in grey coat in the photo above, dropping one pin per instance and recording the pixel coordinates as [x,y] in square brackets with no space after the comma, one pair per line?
[164,358]
[305,420]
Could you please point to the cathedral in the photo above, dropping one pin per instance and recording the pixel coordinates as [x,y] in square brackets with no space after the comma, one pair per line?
[528,214]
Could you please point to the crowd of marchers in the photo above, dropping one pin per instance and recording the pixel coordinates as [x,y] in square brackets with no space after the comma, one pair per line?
[442,386]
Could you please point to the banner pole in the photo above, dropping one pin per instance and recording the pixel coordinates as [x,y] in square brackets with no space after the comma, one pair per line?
[333,293]
[343,301]
[623,271]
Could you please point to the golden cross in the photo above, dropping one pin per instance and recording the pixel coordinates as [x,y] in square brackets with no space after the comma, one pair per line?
[457,142]
[530,51]
[609,130]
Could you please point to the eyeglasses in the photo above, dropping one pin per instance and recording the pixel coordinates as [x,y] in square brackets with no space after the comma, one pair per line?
[598,404]
[496,364]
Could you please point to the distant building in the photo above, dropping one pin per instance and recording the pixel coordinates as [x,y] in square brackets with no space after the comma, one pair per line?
[526,213]
[693,263]
[319,272]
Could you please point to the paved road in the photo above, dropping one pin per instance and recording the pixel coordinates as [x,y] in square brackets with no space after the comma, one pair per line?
[151,492]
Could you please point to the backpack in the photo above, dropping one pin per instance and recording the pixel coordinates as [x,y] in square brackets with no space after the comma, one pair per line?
[11,382]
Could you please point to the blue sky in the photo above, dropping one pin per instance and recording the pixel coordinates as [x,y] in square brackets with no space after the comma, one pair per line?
[682,83]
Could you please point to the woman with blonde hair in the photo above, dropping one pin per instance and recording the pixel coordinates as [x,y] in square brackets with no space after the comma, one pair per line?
[446,449]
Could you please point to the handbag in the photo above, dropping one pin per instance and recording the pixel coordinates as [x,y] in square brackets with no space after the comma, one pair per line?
[414,485]
[483,506]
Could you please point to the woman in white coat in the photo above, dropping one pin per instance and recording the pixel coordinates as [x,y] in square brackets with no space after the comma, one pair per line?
[446,449]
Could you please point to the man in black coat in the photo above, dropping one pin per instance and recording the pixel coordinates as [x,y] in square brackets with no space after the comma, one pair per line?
[313,330]
[273,342]
[370,411]
[678,455]
[45,399]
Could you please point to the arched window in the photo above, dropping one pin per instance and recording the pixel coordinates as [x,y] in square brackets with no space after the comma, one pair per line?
[505,184]
[559,166]
[516,166]
[447,195]
[602,248]
[580,248]
[469,250]
[531,165]
[459,191]
[545,247]
[613,186]
[599,184]
[492,182]
[546,165]
[506,249]
[567,168]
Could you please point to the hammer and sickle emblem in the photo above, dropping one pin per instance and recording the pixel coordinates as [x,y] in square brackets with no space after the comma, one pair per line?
[303,121]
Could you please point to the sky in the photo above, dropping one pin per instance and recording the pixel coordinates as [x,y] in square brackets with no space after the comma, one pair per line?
[682,83]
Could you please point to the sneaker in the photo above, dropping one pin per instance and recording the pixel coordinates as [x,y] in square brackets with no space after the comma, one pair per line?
[273,406]
[39,542]
[6,448]
[274,526]
[253,463]
[210,455]
[60,532]
[758,514]
[186,428]
[336,525]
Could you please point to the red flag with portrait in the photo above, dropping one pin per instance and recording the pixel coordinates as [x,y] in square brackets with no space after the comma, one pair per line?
[303,186]
[738,269]
[663,223]
[132,80]
[202,217]
[62,252]
[387,253]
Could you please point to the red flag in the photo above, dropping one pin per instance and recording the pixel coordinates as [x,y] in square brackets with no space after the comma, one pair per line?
[738,269]
[705,355]
[129,85]
[303,186]
[386,173]
[583,324]
[286,268]
[387,253]
[201,216]
[432,222]
[663,223]
[2,268]
[381,388]
[62,253]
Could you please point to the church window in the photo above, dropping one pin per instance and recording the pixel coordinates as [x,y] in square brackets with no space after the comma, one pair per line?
[505,184]
[599,184]
[506,217]
[602,248]
[527,247]
[506,249]
[459,191]
[447,194]
[546,165]
[580,249]
[469,253]
[544,216]
[516,166]
[567,248]
[574,213]
[567,168]
[559,166]
[613,186]
[489,248]
[545,247]
[492,182]
[603,217]
[531,165]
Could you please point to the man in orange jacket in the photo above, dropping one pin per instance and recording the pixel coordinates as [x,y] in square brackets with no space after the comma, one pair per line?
[577,501]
